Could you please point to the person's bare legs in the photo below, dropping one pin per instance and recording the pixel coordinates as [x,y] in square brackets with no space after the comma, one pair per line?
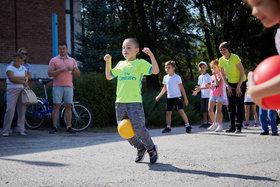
[55,114]
[247,113]
[254,110]
[219,113]
[184,116]
[68,114]
[211,111]
[168,118]
[205,114]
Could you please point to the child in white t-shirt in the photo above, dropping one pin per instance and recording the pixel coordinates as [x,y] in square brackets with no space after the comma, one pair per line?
[248,102]
[203,80]
[172,83]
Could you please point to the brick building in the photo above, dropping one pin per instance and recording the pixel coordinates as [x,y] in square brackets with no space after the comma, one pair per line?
[29,24]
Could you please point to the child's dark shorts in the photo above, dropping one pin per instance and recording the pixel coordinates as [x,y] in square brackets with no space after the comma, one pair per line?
[174,102]
[204,104]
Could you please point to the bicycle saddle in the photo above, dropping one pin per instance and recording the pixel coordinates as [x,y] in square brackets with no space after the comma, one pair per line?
[45,81]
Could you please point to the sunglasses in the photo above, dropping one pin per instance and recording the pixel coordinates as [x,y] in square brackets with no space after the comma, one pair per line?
[25,54]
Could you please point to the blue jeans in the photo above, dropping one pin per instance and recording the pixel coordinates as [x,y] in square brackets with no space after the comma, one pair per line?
[270,114]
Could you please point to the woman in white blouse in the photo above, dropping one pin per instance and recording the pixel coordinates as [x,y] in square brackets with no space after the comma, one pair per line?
[16,81]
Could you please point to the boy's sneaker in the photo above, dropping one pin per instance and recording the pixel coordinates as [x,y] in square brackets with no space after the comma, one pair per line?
[219,128]
[140,154]
[6,134]
[70,130]
[213,127]
[274,134]
[22,134]
[153,155]
[53,130]
[264,133]
[166,129]
[205,125]
[188,129]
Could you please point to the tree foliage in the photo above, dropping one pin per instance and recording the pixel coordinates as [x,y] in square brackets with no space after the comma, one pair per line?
[186,31]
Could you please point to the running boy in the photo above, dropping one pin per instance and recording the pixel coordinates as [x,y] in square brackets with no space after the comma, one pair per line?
[203,80]
[174,87]
[129,100]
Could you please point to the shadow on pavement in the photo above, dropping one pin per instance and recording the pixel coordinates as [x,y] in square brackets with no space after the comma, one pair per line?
[171,168]
[37,163]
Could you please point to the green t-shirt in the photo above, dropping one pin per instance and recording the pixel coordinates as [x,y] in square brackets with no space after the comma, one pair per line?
[130,74]
[230,67]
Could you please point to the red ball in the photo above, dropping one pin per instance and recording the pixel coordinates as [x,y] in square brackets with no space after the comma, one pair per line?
[266,70]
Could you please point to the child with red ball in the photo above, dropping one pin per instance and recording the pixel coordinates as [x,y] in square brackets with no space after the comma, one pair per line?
[267,11]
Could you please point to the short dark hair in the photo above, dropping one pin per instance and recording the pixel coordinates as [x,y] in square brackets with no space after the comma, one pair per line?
[171,63]
[62,44]
[133,40]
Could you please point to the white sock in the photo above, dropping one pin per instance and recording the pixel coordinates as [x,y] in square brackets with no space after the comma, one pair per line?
[187,124]
[168,126]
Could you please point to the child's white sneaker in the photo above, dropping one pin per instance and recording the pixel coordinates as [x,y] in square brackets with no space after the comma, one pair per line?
[219,128]
[213,127]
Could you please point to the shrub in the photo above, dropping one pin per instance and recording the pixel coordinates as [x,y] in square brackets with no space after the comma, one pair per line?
[98,94]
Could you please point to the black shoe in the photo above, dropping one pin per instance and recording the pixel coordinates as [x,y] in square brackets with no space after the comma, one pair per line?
[230,130]
[140,154]
[264,133]
[70,130]
[237,131]
[166,129]
[53,130]
[188,129]
[205,125]
[153,155]
[274,134]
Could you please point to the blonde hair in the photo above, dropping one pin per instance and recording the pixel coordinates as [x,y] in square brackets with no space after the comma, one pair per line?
[215,63]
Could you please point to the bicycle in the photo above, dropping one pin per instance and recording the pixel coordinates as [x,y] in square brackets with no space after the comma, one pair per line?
[36,114]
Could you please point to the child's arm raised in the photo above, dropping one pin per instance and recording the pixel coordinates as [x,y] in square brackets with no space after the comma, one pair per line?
[155,69]
[108,69]
[163,90]
[182,89]
[269,88]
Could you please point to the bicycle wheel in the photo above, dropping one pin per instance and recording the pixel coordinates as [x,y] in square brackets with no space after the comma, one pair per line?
[34,116]
[81,117]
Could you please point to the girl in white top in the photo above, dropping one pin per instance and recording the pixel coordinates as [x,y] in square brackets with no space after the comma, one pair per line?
[267,11]
[248,103]
[16,81]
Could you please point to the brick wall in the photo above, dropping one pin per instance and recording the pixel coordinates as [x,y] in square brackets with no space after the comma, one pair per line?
[34,28]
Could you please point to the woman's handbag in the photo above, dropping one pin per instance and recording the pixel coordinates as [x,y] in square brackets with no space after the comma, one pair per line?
[28,96]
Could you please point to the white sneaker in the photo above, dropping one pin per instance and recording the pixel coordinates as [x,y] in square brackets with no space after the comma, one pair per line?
[213,127]
[6,134]
[219,128]
[22,134]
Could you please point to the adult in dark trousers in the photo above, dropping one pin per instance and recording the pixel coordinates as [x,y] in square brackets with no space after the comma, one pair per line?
[230,65]
[27,66]
[62,68]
